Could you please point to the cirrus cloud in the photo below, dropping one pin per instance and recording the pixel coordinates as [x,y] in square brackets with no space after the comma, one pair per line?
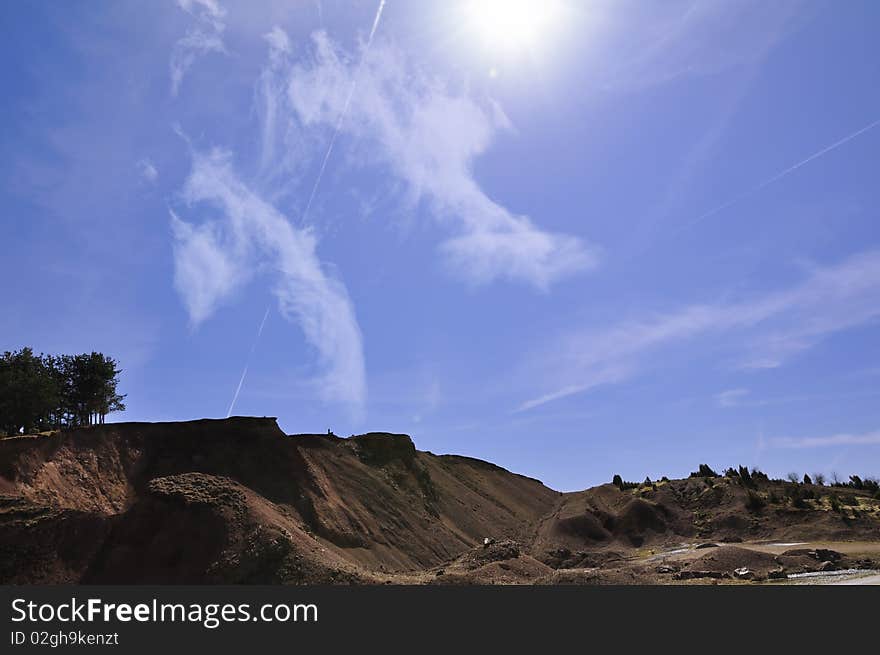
[428,136]
[766,329]
[217,257]
[204,37]
[842,439]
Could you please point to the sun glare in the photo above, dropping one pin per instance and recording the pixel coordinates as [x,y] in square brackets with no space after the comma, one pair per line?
[512,24]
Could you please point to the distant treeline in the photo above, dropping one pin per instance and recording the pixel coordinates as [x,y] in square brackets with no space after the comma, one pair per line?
[752,478]
[45,392]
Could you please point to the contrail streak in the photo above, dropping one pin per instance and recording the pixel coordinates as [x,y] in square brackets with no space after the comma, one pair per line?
[305,213]
[344,112]
[247,363]
[779,175]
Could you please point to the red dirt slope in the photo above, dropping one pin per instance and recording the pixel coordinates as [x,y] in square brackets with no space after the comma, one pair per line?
[239,501]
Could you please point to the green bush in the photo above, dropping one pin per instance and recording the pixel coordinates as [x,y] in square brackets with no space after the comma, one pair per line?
[849,499]
[704,471]
[754,502]
[796,496]
[621,484]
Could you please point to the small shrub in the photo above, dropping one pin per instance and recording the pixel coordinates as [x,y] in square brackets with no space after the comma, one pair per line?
[835,503]
[705,471]
[819,478]
[850,500]
[623,485]
[793,477]
[796,497]
[807,479]
[754,502]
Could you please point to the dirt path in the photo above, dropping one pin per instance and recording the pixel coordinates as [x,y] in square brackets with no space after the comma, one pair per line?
[863,580]
[866,548]
[868,579]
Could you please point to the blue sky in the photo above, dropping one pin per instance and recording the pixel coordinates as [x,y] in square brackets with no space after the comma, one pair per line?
[614,237]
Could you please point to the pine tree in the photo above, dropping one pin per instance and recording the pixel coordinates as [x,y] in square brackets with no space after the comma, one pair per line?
[48,391]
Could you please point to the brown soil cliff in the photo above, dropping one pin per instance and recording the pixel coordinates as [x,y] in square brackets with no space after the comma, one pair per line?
[238,501]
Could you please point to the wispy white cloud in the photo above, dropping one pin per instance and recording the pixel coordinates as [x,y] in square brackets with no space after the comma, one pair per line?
[148,170]
[279,43]
[731,397]
[205,37]
[769,328]
[214,259]
[674,40]
[269,94]
[843,439]
[206,267]
[428,135]
[613,373]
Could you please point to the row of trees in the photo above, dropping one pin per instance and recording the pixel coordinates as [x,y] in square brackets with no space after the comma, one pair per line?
[751,478]
[44,392]
[871,485]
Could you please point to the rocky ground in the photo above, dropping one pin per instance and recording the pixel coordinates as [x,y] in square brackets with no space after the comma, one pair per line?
[238,501]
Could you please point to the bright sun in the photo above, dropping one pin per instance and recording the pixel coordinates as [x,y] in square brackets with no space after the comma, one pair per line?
[512,24]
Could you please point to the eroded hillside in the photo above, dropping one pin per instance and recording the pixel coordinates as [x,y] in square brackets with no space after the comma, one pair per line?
[238,501]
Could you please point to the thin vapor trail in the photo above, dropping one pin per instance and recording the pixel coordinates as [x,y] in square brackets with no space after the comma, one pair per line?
[247,363]
[344,112]
[780,175]
[305,213]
